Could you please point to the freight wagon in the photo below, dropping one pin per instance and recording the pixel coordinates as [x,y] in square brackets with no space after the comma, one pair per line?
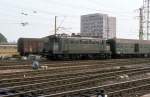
[28,46]
[64,47]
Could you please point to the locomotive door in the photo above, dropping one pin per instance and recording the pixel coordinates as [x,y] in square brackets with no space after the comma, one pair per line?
[56,45]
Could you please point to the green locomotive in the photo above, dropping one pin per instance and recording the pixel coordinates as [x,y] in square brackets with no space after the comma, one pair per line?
[64,47]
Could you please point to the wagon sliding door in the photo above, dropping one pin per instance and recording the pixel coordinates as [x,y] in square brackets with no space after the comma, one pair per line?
[136,48]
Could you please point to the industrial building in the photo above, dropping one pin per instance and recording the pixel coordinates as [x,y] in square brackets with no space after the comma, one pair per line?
[98,25]
[8,50]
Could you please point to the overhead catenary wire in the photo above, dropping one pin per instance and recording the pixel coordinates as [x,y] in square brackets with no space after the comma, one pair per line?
[44,13]
[75,7]
[61,24]
[51,13]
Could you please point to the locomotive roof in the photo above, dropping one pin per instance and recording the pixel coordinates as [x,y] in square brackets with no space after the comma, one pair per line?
[91,38]
[70,37]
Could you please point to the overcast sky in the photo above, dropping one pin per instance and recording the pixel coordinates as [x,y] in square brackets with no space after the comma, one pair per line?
[39,14]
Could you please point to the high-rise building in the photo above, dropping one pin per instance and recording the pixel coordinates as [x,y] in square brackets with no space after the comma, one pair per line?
[98,25]
[111,27]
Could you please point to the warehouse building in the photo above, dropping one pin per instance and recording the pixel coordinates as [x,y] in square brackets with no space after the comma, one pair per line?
[98,25]
[8,50]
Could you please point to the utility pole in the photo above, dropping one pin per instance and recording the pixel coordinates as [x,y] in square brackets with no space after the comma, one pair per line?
[146,17]
[141,24]
[55,25]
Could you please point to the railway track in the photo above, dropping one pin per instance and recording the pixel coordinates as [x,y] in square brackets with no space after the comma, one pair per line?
[132,88]
[86,81]
[72,76]
[51,74]
[53,63]
[82,63]
[88,75]
[66,68]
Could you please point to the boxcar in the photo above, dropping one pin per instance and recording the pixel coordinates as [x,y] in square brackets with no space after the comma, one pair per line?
[28,46]
[60,47]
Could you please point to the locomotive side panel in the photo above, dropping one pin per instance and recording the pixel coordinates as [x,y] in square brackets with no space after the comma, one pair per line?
[77,47]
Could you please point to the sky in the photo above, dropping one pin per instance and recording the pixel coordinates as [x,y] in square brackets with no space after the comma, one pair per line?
[39,16]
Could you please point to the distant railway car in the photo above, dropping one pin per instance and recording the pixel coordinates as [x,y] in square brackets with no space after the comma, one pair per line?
[63,47]
[144,48]
[129,48]
[28,46]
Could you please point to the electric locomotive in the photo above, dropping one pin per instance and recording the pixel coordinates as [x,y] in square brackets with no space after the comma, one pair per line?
[65,47]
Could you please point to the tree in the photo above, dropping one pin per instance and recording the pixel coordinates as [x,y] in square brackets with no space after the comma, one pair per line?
[3,38]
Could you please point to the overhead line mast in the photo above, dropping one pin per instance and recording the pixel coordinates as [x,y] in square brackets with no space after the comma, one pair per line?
[55,25]
[141,24]
[146,17]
